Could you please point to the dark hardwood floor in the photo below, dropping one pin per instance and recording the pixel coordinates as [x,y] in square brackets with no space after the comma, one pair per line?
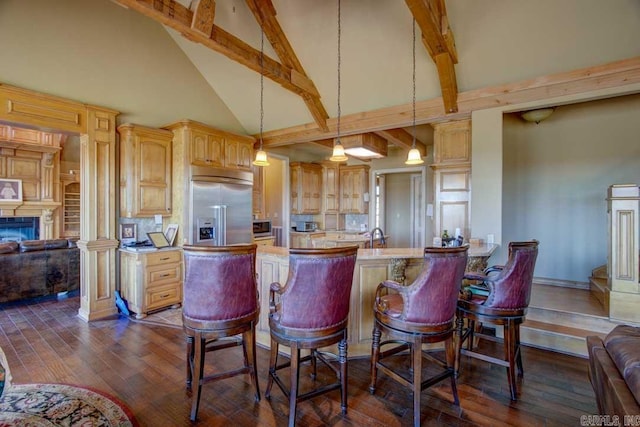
[144,366]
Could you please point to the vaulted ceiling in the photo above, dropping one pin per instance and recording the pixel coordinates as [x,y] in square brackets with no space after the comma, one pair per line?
[374,78]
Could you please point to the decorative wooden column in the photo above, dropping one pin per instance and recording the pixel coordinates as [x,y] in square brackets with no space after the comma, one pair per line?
[97,129]
[623,254]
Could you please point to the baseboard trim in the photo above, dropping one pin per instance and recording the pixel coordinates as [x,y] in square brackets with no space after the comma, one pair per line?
[561,283]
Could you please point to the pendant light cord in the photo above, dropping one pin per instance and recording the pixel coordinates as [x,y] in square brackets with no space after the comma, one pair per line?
[339,31]
[261,83]
[413,144]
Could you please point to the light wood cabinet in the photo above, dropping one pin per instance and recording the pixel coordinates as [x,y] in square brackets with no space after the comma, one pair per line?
[206,149]
[265,241]
[331,186]
[145,171]
[306,188]
[354,188]
[238,154]
[151,280]
[452,177]
[304,240]
[258,191]
[207,146]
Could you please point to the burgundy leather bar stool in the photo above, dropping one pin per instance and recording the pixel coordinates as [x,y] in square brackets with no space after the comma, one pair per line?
[509,291]
[422,312]
[309,312]
[220,301]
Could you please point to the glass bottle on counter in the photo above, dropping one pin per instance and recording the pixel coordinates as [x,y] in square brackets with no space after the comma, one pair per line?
[445,238]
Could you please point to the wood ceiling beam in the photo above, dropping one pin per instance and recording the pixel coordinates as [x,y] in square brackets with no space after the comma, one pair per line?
[181,19]
[203,16]
[567,84]
[265,15]
[401,138]
[437,37]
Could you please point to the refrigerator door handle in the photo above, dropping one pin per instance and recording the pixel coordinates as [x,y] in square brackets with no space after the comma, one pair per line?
[221,224]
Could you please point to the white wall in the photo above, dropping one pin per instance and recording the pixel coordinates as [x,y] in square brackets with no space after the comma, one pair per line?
[555,181]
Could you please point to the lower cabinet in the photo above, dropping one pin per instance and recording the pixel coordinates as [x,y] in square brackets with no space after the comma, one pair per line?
[151,280]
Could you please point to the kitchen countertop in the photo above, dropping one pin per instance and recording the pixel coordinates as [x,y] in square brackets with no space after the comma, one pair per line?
[475,250]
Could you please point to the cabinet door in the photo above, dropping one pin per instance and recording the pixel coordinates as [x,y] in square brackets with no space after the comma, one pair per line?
[238,154]
[295,176]
[331,181]
[206,149]
[354,184]
[258,191]
[145,171]
[346,184]
[311,190]
[154,180]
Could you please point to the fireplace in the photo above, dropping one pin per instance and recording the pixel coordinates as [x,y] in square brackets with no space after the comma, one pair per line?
[19,228]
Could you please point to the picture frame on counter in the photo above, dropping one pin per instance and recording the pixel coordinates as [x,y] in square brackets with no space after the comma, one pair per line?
[171,232]
[128,233]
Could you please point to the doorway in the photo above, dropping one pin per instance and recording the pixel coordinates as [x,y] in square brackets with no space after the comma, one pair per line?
[398,205]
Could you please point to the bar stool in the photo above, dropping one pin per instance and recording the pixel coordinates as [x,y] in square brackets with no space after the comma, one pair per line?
[220,301]
[310,312]
[423,312]
[508,292]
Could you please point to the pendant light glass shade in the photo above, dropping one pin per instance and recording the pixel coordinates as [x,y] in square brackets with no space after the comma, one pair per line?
[261,158]
[338,153]
[414,157]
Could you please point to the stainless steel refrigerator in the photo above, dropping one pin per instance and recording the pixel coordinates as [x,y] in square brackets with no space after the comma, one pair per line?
[220,209]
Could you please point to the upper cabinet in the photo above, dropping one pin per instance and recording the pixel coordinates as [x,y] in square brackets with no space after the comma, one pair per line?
[258,191]
[206,149]
[452,176]
[331,184]
[354,189]
[238,153]
[306,188]
[208,146]
[145,171]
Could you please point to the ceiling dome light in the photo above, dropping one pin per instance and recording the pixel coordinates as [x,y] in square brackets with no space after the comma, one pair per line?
[536,116]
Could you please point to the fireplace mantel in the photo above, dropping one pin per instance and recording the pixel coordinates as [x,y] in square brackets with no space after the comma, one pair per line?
[43,210]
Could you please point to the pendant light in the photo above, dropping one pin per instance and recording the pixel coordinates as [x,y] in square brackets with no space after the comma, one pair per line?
[338,149]
[261,155]
[414,157]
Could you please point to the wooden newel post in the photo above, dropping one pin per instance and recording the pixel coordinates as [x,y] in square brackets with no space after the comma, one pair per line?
[623,206]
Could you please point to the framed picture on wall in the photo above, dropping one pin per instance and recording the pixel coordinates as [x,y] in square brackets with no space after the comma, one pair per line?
[10,190]
[128,233]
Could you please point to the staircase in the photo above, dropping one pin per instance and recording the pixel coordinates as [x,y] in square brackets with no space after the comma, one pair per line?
[599,287]
[560,319]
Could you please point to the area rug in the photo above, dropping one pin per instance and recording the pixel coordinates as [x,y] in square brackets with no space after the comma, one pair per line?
[41,405]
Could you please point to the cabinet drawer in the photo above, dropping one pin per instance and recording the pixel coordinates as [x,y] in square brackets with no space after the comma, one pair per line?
[163,296]
[161,274]
[163,257]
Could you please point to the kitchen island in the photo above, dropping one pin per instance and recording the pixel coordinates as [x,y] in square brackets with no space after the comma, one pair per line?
[332,239]
[372,267]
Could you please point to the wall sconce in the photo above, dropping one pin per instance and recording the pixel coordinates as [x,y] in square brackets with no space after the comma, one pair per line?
[536,116]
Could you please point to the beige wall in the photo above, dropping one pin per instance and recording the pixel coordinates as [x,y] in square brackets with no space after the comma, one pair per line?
[555,180]
[97,52]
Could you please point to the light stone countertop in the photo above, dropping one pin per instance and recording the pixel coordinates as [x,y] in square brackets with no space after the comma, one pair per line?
[481,250]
